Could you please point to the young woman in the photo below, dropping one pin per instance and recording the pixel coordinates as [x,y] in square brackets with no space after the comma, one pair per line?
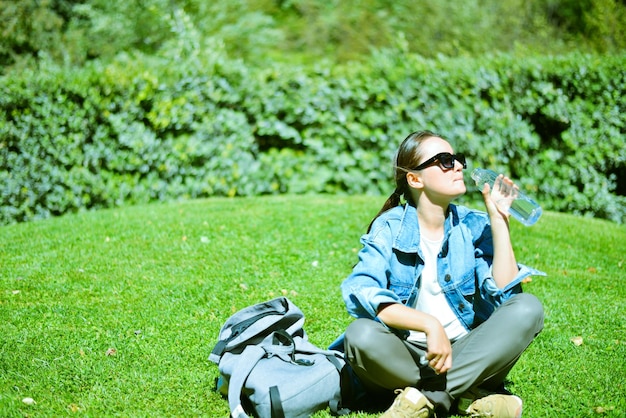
[441,317]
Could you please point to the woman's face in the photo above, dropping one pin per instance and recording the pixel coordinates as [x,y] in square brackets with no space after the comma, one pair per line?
[440,182]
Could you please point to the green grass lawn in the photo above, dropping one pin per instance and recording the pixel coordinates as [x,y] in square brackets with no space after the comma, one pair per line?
[114,313]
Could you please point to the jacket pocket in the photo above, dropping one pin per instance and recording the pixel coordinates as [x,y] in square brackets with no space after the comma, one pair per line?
[468,288]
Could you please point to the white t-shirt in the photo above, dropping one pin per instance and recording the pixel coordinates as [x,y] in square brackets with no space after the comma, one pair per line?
[431,299]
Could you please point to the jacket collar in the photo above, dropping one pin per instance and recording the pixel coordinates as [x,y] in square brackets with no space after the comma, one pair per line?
[408,238]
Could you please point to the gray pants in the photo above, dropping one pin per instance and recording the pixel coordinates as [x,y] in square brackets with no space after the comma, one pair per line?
[483,357]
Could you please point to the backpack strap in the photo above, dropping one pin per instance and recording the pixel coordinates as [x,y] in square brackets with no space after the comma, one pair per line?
[249,358]
[282,340]
[336,405]
[276,403]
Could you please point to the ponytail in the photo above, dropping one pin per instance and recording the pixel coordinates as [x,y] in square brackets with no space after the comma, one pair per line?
[391,202]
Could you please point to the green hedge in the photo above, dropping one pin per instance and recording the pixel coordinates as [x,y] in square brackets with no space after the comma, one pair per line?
[140,130]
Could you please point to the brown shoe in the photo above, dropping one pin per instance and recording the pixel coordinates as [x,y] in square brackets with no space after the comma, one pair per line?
[410,403]
[477,404]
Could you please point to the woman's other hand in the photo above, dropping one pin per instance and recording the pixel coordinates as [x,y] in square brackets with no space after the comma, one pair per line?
[499,199]
[439,354]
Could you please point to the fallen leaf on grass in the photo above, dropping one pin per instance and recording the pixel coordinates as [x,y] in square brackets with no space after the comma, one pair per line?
[602,410]
[29,401]
[285,292]
[111,352]
[578,341]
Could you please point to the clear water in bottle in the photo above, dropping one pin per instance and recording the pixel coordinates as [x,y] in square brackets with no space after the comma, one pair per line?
[523,208]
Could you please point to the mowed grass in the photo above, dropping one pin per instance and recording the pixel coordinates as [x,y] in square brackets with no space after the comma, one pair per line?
[114,313]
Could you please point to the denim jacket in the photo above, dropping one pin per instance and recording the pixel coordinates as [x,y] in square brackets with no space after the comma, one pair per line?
[391,262]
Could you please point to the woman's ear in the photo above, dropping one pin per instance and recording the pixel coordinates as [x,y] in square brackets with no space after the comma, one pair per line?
[414,180]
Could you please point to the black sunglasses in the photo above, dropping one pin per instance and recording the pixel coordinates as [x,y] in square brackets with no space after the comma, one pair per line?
[445,159]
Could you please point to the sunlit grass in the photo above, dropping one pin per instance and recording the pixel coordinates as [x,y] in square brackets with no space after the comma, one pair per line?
[114,313]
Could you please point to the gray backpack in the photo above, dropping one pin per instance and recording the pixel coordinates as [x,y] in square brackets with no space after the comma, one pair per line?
[268,367]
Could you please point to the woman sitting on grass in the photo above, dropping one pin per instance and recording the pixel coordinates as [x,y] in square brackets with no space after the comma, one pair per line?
[437,292]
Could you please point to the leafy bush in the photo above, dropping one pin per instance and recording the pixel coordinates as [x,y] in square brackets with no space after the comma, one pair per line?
[262,31]
[189,126]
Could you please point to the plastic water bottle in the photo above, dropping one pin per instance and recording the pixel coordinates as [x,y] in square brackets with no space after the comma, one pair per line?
[523,208]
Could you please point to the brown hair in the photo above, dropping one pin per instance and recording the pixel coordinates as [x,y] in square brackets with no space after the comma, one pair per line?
[407,157]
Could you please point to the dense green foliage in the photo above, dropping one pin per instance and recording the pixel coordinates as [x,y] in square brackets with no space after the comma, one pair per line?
[110,102]
[114,313]
[77,31]
[192,125]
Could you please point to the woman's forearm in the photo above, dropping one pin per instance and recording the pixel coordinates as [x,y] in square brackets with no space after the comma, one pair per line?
[398,316]
[504,266]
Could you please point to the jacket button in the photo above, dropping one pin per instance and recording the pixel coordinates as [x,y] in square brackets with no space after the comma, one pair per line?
[447,278]
[461,306]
